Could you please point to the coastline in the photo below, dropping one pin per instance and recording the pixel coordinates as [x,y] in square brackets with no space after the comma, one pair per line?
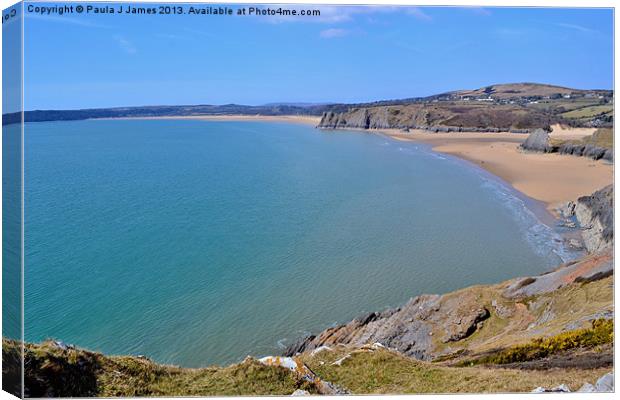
[552,179]
[299,119]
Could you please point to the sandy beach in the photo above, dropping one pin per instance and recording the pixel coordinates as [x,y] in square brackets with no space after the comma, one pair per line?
[551,178]
[300,119]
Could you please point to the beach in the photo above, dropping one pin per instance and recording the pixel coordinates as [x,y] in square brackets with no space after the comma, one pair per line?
[551,178]
[299,119]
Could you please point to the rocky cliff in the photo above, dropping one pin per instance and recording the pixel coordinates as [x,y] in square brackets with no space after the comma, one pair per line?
[481,318]
[441,116]
[595,215]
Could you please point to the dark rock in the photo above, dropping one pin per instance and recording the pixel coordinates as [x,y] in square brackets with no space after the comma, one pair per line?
[594,152]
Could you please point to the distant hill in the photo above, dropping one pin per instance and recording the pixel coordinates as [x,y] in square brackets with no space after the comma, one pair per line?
[516,90]
[514,105]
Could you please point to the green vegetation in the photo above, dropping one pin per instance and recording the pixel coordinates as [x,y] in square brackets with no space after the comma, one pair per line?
[54,371]
[601,332]
[588,112]
[385,372]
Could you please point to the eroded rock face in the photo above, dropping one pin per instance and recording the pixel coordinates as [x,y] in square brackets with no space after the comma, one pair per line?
[407,329]
[466,325]
[538,141]
[359,118]
[595,214]
[590,268]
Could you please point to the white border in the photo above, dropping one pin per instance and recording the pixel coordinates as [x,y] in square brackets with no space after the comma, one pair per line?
[478,3]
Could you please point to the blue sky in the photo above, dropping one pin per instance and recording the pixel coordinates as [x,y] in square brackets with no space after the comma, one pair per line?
[349,54]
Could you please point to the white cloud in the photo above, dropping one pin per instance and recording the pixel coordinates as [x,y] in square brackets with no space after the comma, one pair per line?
[333,33]
[575,27]
[479,10]
[125,45]
[419,14]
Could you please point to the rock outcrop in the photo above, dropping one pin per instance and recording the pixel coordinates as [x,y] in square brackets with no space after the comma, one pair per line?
[538,141]
[605,384]
[595,215]
[433,326]
[586,150]
[358,118]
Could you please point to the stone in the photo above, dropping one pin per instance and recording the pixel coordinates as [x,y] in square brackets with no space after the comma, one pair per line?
[605,383]
[558,389]
[586,388]
[466,325]
[300,392]
[595,215]
[537,141]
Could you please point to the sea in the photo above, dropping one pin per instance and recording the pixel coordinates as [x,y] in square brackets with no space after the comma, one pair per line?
[198,243]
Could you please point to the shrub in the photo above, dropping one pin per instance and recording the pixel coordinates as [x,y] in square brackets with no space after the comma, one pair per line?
[601,332]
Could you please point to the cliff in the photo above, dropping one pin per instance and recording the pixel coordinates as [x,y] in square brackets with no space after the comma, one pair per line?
[480,319]
[595,216]
[440,116]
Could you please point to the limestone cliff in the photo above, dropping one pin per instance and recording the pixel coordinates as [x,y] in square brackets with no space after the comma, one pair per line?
[441,116]
[595,214]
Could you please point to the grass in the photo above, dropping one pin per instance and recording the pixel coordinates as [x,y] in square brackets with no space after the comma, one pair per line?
[588,112]
[54,372]
[601,332]
[130,377]
[602,137]
[566,305]
[386,372]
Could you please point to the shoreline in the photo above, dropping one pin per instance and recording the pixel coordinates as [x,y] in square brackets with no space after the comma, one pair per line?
[298,119]
[552,179]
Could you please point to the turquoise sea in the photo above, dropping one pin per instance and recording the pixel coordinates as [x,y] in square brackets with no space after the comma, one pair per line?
[198,243]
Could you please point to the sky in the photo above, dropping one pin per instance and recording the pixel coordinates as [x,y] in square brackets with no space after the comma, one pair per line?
[348,54]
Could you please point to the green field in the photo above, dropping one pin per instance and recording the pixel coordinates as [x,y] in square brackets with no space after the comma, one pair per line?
[588,112]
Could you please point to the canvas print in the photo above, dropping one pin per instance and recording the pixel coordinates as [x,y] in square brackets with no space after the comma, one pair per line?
[271,199]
